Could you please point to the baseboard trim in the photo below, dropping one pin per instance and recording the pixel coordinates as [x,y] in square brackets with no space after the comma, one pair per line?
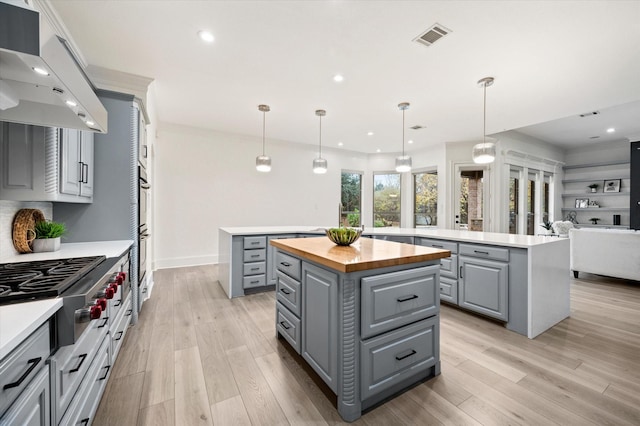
[181,262]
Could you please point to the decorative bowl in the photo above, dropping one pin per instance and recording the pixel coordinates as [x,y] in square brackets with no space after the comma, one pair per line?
[343,236]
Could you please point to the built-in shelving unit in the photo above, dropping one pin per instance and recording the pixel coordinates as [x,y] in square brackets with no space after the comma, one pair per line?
[575,184]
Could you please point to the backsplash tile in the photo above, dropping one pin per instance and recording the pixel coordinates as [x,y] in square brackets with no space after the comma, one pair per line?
[8,210]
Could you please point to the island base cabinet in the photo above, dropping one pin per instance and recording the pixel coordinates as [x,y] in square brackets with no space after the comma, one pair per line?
[397,356]
[448,290]
[484,287]
[288,326]
[320,322]
[32,408]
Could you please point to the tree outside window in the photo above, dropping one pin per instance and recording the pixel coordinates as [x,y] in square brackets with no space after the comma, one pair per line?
[386,199]
[425,211]
[351,198]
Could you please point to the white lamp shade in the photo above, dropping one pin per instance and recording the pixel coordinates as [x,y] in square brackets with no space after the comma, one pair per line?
[263,163]
[484,153]
[319,166]
[403,164]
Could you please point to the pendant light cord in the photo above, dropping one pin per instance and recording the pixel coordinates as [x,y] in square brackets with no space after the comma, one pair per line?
[403,132]
[264,118]
[320,144]
[484,119]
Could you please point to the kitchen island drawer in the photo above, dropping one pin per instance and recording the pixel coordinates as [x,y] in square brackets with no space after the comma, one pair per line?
[485,252]
[255,242]
[255,268]
[288,264]
[288,326]
[255,255]
[254,281]
[288,292]
[20,367]
[401,354]
[398,298]
[445,245]
[449,266]
[449,290]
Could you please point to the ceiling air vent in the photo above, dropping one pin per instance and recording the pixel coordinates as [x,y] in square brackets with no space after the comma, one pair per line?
[417,127]
[588,114]
[432,34]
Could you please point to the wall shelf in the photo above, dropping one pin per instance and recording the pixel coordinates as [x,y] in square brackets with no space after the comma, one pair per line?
[565,181]
[602,164]
[596,209]
[593,194]
[605,226]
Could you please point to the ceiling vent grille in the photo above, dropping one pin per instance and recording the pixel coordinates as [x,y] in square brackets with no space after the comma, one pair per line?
[417,127]
[588,114]
[432,34]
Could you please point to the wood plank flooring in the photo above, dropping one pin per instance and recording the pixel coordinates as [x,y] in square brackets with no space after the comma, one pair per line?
[198,358]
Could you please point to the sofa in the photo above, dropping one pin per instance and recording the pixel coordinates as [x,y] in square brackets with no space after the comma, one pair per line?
[610,252]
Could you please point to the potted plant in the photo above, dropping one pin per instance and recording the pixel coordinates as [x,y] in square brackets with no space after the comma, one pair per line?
[547,226]
[48,235]
[594,187]
[594,220]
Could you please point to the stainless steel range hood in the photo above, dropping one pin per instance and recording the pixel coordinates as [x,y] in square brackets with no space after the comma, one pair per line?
[61,94]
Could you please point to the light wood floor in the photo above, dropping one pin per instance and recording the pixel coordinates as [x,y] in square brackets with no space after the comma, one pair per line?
[198,358]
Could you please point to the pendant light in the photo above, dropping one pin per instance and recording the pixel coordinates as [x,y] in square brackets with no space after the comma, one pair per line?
[403,163]
[263,162]
[320,164]
[485,152]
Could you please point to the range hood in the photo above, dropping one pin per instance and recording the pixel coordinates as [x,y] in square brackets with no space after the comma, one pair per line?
[41,83]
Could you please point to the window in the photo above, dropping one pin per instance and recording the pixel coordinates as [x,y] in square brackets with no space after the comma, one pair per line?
[471,200]
[386,199]
[531,202]
[514,200]
[546,197]
[351,198]
[425,199]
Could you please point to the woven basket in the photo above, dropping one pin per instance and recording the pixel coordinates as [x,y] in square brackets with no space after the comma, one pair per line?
[24,228]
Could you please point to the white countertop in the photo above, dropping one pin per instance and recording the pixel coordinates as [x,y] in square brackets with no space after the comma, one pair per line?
[19,320]
[494,238]
[67,250]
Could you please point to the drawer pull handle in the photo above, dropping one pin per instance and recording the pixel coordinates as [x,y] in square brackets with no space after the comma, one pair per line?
[461,271]
[255,269]
[106,320]
[82,358]
[285,325]
[407,298]
[128,312]
[119,334]
[285,264]
[481,252]
[33,362]
[84,422]
[118,303]
[401,357]
[106,373]
[285,291]
[255,242]
[441,289]
[437,246]
[254,282]
[255,255]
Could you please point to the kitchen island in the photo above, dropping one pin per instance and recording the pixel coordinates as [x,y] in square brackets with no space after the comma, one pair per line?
[364,317]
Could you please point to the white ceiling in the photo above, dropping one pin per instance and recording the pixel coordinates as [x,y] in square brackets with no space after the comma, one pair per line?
[550,60]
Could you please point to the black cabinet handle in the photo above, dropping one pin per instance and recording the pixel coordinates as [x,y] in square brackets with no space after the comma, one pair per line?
[254,281]
[106,320]
[81,177]
[84,422]
[82,358]
[285,291]
[285,264]
[33,362]
[401,357]
[255,242]
[481,252]
[255,255]
[285,325]
[119,334]
[406,298]
[128,312]
[106,373]
[85,176]
[460,271]
[437,246]
[255,269]
[118,303]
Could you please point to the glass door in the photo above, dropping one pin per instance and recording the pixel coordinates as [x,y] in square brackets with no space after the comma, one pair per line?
[470,198]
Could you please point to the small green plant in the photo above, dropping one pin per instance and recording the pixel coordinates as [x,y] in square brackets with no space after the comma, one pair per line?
[546,225]
[354,218]
[49,229]
[594,220]
[593,186]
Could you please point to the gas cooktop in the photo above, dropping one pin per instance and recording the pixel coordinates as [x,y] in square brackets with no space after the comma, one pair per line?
[49,278]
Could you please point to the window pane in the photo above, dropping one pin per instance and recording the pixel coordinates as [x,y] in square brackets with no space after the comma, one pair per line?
[471,196]
[351,195]
[513,204]
[386,199]
[546,200]
[425,211]
[531,204]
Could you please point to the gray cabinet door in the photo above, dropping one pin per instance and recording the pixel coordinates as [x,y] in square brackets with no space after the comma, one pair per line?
[72,170]
[86,158]
[320,322]
[32,408]
[21,171]
[484,287]
[271,257]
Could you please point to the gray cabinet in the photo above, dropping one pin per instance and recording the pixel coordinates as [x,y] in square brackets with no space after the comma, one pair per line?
[254,258]
[271,257]
[448,268]
[32,408]
[319,322]
[484,282]
[76,165]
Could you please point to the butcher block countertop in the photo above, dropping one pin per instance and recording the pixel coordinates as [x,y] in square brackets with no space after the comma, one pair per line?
[364,254]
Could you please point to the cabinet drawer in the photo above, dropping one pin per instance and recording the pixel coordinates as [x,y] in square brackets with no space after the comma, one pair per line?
[445,245]
[255,242]
[288,264]
[399,355]
[391,300]
[120,329]
[255,268]
[288,326]
[254,281]
[485,252]
[449,266]
[258,255]
[288,293]
[19,368]
[448,290]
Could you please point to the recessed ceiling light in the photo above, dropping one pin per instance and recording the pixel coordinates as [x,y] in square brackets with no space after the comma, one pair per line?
[206,36]
[409,141]
[378,150]
[611,130]
[71,103]
[340,143]
[338,78]
[90,123]
[40,71]
[369,133]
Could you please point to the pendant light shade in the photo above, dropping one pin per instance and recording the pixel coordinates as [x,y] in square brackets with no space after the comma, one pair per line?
[263,162]
[320,164]
[485,152]
[403,162]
